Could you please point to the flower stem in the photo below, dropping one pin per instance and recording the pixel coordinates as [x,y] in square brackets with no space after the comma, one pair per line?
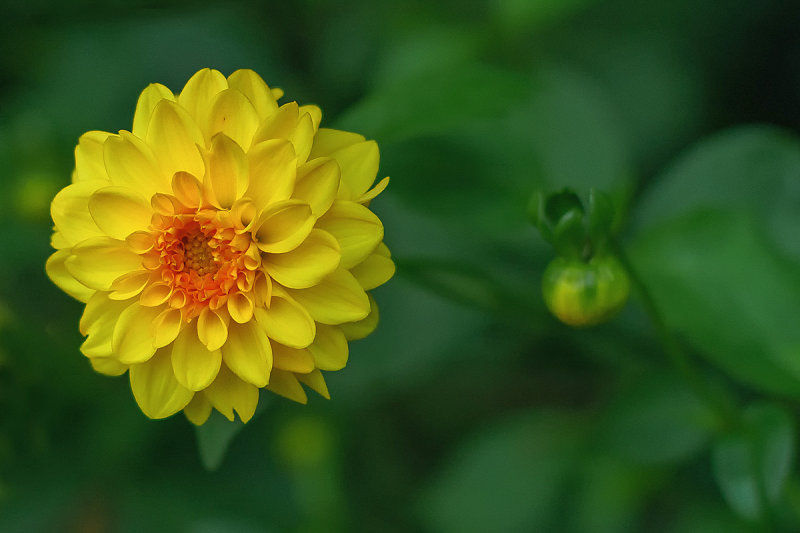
[679,358]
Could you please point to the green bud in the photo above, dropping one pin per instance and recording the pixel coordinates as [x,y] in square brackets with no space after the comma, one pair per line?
[585,293]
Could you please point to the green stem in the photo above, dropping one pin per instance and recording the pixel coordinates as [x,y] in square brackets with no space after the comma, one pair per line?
[673,349]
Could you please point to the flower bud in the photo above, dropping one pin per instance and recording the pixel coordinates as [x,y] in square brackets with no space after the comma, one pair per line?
[585,293]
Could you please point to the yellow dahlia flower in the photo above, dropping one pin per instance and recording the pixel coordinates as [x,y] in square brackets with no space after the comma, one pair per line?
[221,246]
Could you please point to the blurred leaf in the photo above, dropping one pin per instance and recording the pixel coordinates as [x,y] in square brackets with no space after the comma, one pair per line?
[576,135]
[724,288]
[214,437]
[609,496]
[435,102]
[752,463]
[754,168]
[658,421]
[524,16]
[508,477]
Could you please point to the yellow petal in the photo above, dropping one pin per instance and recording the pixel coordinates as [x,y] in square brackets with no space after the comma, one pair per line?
[286,384]
[273,170]
[240,307]
[133,334]
[227,172]
[315,380]
[119,211]
[356,228]
[231,113]
[70,211]
[253,87]
[277,93]
[376,269]
[187,189]
[131,163]
[89,163]
[317,184]
[195,366]
[359,166]
[315,113]
[166,327]
[174,138]
[97,322]
[155,388]
[327,141]
[286,321]
[368,196]
[108,366]
[200,90]
[292,359]
[280,125]
[329,348]
[155,294]
[212,328]
[98,261]
[361,328]
[337,299]
[198,410]
[129,285]
[248,353]
[307,264]
[148,99]
[59,275]
[283,226]
[228,393]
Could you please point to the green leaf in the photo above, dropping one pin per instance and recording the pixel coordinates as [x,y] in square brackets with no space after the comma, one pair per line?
[507,478]
[755,169]
[436,102]
[752,463]
[216,435]
[723,287]
[658,421]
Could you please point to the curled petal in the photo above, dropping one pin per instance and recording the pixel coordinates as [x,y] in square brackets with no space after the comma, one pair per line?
[129,285]
[108,366]
[283,226]
[187,190]
[240,307]
[328,141]
[212,328]
[166,327]
[155,388]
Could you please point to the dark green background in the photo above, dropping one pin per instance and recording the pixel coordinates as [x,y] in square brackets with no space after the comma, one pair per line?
[470,408]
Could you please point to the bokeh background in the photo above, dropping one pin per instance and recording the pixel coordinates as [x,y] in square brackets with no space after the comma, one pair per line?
[470,408]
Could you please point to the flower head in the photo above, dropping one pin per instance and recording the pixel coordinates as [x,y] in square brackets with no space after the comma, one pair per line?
[221,246]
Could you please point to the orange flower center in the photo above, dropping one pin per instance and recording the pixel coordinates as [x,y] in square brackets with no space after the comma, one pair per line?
[201,260]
